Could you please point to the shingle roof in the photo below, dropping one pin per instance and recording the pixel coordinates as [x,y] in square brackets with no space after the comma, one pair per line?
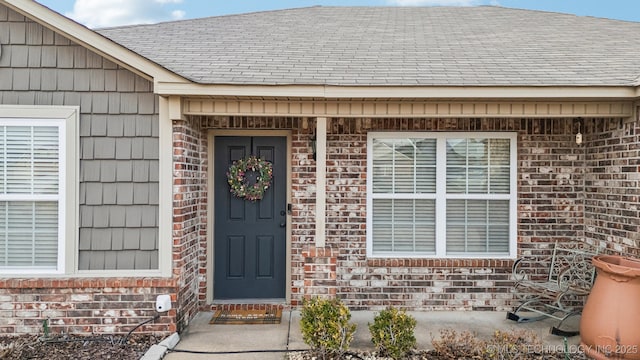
[404,46]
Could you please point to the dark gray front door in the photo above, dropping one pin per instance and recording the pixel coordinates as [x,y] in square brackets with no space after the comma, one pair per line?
[250,237]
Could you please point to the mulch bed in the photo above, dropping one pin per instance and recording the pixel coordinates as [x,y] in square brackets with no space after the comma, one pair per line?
[78,347]
[75,347]
[427,355]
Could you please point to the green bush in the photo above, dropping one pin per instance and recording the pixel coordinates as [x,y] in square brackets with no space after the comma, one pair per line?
[325,326]
[392,332]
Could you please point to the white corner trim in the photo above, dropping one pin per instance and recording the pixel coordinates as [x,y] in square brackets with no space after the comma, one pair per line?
[175,108]
[321,180]
[165,203]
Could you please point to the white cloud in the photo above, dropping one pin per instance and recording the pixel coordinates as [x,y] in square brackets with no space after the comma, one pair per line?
[435,2]
[101,13]
[178,14]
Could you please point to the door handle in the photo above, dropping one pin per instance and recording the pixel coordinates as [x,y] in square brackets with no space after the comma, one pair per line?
[283,224]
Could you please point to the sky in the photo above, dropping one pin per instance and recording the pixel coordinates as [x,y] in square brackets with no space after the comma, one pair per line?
[107,13]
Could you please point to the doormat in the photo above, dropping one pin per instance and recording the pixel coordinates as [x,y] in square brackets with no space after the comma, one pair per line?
[247,317]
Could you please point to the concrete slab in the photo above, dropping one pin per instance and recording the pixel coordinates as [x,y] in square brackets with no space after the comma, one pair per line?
[482,323]
[224,340]
[429,325]
[201,336]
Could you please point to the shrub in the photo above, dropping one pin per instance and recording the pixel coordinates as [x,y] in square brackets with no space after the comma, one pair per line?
[453,345]
[392,332]
[325,326]
[502,345]
[516,344]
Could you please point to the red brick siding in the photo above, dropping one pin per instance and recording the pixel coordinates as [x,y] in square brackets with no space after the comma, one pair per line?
[310,271]
[189,254]
[549,186]
[612,186]
[550,201]
[84,306]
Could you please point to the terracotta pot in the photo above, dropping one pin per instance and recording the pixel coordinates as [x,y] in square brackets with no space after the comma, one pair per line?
[610,322]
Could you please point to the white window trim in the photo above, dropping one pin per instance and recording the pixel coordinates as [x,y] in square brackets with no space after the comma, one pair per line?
[67,117]
[440,195]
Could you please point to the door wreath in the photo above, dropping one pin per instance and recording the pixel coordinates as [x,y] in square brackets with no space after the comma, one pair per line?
[240,187]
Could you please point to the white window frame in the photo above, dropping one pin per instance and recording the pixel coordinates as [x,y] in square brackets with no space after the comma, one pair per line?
[441,196]
[66,118]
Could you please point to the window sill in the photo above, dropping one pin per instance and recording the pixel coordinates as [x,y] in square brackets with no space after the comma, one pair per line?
[441,262]
[87,282]
[51,274]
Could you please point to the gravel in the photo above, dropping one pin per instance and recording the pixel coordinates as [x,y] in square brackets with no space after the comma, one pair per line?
[75,347]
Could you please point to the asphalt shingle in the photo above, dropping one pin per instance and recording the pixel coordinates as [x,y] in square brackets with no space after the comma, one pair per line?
[411,46]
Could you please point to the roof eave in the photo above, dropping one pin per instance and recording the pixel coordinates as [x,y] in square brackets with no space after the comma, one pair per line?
[401,92]
[92,40]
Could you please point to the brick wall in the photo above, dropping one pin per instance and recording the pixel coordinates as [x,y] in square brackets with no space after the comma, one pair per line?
[309,269]
[551,203]
[612,184]
[86,306]
[189,253]
[550,189]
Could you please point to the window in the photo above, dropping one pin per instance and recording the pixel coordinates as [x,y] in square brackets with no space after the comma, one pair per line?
[441,195]
[34,199]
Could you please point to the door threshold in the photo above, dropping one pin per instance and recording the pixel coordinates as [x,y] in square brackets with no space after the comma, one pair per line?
[249,301]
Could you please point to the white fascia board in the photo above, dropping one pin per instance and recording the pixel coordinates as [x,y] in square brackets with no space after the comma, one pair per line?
[193,89]
[400,92]
[92,40]
[487,92]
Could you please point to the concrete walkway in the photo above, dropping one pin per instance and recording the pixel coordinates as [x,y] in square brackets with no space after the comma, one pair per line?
[203,337]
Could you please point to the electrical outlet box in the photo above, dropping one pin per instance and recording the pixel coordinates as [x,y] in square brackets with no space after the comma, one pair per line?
[163,303]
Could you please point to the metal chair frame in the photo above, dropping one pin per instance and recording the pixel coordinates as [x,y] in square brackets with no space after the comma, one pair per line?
[570,277]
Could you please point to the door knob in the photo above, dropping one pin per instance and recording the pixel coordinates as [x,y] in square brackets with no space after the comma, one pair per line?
[283,224]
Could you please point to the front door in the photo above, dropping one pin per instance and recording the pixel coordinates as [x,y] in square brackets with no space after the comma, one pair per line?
[250,236]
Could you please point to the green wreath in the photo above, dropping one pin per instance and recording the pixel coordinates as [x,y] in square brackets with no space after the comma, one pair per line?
[240,187]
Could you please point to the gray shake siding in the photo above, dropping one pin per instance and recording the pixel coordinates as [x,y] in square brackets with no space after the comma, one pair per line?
[118,145]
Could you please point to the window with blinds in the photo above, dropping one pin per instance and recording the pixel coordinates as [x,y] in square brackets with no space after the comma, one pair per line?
[441,194]
[30,193]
